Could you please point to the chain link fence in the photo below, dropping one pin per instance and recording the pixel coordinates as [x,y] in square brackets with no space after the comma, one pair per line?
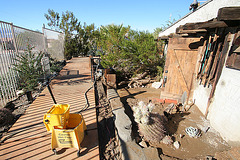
[13,42]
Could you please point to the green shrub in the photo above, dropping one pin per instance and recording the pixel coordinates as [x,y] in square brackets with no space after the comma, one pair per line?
[128,51]
[29,69]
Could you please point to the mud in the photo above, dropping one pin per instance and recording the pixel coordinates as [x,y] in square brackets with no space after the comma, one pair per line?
[208,143]
[108,143]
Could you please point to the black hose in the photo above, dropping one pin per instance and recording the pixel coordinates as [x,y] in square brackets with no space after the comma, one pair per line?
[87,102]
[85,94]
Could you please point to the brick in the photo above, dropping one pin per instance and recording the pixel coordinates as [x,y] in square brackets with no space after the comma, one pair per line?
[171,101]
[158,100]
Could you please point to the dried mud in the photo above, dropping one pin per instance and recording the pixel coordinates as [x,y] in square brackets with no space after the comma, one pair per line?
[190,148]
[108,142]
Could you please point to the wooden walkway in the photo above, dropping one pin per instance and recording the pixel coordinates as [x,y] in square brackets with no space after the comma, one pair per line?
[30,139]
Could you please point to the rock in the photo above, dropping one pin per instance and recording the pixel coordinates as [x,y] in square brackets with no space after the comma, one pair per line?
[123,125]
[20,92]
[10,105]
[193,132]
[187,107]
[143,144]
[122,121]
[157,85]
[209,157]
[176,144]
[167,140]
[131,150]
[6,117]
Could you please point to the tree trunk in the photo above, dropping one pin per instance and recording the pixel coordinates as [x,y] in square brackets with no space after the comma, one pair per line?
[29,96]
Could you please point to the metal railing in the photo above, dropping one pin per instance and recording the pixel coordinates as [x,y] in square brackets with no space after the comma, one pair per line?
[13,42]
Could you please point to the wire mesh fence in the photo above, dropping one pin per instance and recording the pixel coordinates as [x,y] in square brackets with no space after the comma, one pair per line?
[13,42]
[54,43]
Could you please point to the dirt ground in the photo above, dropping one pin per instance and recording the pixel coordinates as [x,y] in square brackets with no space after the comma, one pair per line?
[16,108]
[208,144]
[108,144]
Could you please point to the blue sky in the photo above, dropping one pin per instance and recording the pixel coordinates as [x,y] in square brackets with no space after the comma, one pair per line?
[139,14]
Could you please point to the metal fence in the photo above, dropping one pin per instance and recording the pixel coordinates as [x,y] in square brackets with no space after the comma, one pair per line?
[54,43]
[13,42]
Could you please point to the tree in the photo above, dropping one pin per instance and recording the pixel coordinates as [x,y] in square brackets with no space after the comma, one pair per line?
[111,43]
[29,69]
[53,18]
[169,22]
[66,23]
[157,31]
[140,53]
[86,38]
[79,40]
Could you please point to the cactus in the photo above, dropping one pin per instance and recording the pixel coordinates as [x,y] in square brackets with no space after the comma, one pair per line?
[151,125]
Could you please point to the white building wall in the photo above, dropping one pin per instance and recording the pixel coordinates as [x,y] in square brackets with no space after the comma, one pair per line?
[200,96]
[207,11]
[224,112]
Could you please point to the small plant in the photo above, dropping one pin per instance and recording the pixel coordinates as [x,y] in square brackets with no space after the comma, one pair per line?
[29,69]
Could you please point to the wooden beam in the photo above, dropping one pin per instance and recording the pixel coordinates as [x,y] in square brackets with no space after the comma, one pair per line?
[214,24]
[190,26]
[191,31]
[228,13]
[205,58]
[200,26]
[210,59]
[219,69]
[164,38]
[201,62]
[215,62]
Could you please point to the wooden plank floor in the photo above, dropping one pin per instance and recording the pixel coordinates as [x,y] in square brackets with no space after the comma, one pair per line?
[30,139]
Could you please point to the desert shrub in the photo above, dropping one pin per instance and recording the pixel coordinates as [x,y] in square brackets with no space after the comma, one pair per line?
[129,51]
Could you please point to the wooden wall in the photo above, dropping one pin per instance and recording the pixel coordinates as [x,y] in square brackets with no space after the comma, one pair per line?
[180,65]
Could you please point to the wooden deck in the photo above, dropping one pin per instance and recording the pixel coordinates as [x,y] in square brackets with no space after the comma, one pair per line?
[29,137]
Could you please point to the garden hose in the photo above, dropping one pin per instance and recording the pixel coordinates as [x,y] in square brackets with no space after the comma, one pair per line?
[193,132]
[85,94]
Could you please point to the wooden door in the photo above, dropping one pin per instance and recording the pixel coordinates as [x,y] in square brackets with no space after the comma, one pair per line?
[180,66]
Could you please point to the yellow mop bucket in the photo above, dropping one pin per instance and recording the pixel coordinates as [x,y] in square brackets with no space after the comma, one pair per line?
[72,136]
[58,115]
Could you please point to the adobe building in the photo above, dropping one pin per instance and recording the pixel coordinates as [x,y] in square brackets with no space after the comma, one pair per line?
[203,64]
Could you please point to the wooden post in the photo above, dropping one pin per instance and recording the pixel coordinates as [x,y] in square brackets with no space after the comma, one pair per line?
[111,81]
[219,69]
